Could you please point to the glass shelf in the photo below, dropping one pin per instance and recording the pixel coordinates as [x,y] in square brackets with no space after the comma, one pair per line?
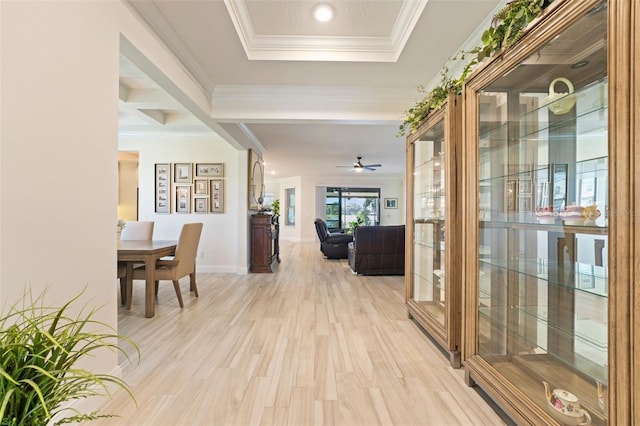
[541,318]
[438,247]
[586,166]
[439,285]
[534,225]
[580,276]
[429,220]
[597,87]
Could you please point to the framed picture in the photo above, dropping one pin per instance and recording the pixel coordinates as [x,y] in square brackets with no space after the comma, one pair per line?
[524,203]
[182,173]
[201,204]
[256,180]
[524,186]
[587,191]
[560,173]
[542,195]
[586,276]
[510,196]
[216,197]
[163,185]
[200,187]
[209,170]
[183,198]
[390,203]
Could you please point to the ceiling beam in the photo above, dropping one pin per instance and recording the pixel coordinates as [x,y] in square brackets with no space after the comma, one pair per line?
[344,104]
[155,114]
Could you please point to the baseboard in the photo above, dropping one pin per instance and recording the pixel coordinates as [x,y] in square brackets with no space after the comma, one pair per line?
[216,269]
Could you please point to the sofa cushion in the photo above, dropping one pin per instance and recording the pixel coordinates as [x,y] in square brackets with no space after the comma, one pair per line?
[378,250]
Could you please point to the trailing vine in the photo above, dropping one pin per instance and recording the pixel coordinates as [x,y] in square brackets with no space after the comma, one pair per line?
[507,27]
[432,101]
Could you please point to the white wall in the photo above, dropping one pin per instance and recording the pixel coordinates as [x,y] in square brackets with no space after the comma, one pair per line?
[310,198]
[58,148]
[220,249]
[58,162]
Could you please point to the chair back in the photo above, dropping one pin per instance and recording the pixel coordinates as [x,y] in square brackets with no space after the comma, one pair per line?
[321,229]
[137,231]
[187,248]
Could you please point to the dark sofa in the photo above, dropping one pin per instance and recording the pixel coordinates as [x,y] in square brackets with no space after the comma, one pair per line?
[332,245]
[377,250]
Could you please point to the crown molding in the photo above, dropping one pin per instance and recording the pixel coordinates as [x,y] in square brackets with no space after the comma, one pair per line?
[325,48]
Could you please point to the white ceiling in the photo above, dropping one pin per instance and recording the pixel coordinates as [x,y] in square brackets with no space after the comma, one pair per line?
[312,95]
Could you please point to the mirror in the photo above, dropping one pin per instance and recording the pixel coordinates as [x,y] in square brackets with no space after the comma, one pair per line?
[256,181]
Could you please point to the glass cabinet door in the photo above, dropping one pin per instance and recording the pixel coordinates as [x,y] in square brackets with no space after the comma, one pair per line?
[428,221]
[433,277]
[542,276]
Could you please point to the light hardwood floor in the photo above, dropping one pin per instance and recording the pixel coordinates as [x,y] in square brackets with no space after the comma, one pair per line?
[311,344]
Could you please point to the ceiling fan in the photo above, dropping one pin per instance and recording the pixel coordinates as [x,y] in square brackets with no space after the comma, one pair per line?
[359,167]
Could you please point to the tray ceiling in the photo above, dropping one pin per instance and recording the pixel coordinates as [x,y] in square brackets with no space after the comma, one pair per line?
[310,95]
[361,30]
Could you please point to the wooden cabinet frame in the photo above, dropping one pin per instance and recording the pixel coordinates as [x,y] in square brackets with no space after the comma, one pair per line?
[449,336]
[623,71]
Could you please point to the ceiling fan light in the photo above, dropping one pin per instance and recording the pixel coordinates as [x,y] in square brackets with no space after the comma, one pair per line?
[323,12]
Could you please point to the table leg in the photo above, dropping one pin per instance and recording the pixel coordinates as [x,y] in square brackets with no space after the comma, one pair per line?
[129,285]
[150,288]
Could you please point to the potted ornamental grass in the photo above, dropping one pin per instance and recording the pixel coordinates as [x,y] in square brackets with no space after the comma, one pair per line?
[40,347]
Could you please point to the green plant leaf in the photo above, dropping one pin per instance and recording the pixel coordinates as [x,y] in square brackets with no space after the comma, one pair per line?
[506,29]
[39,347]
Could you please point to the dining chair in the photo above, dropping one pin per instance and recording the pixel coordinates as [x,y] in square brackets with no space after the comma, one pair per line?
[133,230]
[137,230]
[182,264]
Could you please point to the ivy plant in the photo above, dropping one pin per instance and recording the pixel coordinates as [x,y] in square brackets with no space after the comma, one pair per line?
[507,27]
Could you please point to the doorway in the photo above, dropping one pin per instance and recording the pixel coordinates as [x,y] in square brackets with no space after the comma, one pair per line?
[128,185]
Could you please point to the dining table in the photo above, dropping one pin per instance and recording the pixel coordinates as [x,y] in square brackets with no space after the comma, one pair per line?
[147,252]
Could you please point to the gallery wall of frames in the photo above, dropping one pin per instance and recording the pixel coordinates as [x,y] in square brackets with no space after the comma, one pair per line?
[189,188]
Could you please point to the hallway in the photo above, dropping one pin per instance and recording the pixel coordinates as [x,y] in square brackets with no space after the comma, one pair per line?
[311,344]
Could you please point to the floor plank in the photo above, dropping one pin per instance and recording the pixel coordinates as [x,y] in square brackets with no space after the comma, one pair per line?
[311,344]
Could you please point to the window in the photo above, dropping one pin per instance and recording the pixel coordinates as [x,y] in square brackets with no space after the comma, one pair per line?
[290,218]
[333,211]
[346,205]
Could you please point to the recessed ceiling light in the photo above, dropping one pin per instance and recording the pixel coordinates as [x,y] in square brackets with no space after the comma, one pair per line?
[323,12]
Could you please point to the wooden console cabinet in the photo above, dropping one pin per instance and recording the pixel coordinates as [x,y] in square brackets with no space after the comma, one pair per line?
[265,251]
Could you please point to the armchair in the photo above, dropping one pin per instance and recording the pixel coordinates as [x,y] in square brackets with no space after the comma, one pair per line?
[332,245]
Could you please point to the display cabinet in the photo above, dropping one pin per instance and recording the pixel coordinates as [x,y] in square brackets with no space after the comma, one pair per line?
[265,247]
[432,271]
[542,282]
